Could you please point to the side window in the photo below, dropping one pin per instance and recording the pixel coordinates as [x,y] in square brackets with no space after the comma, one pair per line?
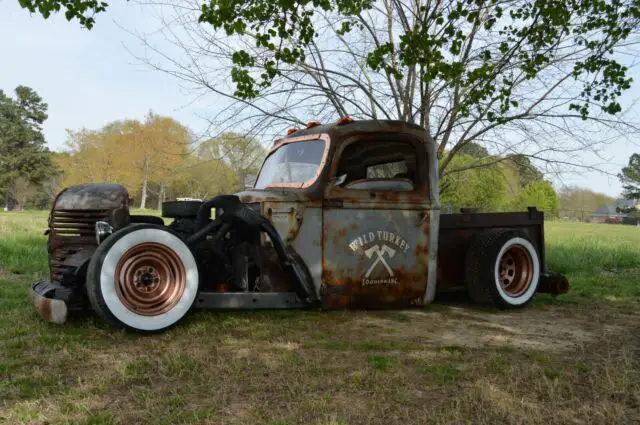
[378,165]
[389,170]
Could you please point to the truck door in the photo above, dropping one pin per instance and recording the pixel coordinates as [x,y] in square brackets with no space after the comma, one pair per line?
[376,224]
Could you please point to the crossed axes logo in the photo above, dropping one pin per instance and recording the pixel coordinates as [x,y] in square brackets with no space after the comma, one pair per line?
[380,252]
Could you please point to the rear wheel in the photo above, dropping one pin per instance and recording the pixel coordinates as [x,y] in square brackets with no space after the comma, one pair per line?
[502,268]
[142,277]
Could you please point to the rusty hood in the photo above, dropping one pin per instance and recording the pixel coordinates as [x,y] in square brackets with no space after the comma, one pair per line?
[101,196]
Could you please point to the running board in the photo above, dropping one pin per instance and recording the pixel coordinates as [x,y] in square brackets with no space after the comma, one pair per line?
[248,300]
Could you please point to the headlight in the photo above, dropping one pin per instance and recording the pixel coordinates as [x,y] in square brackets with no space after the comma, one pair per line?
[103,229]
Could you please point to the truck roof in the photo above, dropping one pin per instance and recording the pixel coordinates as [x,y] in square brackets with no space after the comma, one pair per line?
[340,131]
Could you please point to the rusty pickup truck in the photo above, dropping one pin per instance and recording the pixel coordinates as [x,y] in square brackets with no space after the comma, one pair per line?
[341,215]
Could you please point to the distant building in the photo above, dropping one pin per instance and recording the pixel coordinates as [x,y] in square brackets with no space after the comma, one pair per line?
[612,214]
[627,204]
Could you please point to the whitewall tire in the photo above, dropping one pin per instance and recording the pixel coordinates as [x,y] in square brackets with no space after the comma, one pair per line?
[502,268]
[143,278]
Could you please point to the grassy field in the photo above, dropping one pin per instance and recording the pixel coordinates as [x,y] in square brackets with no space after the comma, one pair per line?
[574,359]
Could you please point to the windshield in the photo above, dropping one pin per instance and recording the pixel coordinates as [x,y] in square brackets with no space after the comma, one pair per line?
[293,163]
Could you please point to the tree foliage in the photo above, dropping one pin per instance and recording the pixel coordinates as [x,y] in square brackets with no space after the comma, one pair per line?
[530,31]
[539,194]
[578,203]
[630,178]
[82,10]
[24,157]
[243,154]
[492,183]
[513,75]
[474,149]
[527,172]
[482,187]
[436,43]
[157,159]
[205,178]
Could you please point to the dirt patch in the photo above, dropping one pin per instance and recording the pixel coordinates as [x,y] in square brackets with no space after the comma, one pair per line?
[549,329]
[7,275]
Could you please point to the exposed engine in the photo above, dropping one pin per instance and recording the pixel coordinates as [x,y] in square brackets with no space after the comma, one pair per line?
[228,264]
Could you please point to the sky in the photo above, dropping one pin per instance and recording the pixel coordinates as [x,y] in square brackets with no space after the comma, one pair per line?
[90,78]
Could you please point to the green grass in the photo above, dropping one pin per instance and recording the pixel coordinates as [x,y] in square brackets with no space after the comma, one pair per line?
[442,372]
[566,359]
[601,261]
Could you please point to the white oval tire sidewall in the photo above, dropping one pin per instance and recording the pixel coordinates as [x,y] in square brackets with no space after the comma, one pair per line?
[525,296]
[108,284]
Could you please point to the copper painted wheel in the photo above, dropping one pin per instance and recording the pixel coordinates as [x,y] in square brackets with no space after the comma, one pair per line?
[516,270]
[150,279]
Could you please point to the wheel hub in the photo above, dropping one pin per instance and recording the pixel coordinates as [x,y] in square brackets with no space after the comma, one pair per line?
[150,279]
[516,270]
[146,279]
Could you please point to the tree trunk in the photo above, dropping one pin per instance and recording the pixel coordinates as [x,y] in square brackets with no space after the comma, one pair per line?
[161,196]
[10,198]
[143,196]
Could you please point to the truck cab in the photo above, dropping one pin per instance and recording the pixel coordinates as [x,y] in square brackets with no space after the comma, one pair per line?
[354,200]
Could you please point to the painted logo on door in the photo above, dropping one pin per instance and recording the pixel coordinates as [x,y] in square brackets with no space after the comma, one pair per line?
[379,246]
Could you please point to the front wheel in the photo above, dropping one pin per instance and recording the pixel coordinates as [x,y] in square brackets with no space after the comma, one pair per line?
[143,278]
[502,268]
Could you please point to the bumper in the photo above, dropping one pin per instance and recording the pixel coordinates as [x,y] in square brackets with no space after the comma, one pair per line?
[50,300]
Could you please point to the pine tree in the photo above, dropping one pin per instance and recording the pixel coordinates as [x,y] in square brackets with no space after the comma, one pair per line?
[23,153]
[630,178]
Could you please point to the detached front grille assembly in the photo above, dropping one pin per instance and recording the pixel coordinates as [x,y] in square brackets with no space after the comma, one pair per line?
[71,232]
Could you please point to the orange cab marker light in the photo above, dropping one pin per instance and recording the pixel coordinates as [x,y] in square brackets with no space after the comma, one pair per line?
[312,124]
[344,120]
[292,130]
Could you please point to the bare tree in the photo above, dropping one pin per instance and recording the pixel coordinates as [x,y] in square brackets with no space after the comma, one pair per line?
[338,77]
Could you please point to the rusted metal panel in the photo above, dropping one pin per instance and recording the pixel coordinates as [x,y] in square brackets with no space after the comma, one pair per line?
[286,218]
[432,256]
[283,195]
[298,223]
[51,310]
[434,218]
[374,258]
[93,197]
[375,242]
[72,224]
[308,244]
